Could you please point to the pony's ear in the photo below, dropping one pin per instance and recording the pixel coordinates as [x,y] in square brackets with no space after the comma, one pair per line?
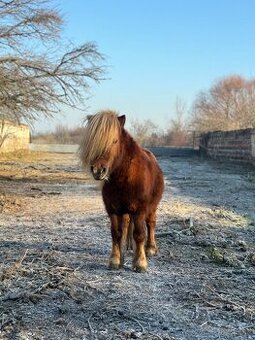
[88,117]
[122,120]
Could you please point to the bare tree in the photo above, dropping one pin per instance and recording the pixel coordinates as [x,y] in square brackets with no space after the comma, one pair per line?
[143,131]
[229,104]
[38,72]
[5,132]
[177,134]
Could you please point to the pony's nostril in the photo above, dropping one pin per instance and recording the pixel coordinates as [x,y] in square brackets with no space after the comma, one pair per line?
[102,171]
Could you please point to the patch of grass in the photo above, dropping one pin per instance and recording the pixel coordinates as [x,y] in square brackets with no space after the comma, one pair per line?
[251,258]
[224,257]
[39,157]
[225,216]
[251,177]
[22,155]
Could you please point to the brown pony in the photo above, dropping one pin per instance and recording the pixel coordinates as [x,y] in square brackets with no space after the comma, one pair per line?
[132,185]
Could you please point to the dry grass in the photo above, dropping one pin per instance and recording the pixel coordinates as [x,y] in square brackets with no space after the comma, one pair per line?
[40,166]
[24,156]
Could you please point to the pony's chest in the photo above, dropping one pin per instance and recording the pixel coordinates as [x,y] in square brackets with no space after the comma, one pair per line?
[120,198]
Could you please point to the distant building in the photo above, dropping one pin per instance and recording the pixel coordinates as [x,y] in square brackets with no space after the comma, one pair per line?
[13,136]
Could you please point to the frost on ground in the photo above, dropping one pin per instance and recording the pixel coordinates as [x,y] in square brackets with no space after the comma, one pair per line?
[55,242]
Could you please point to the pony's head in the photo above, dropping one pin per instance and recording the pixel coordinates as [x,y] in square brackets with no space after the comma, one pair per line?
[101,143]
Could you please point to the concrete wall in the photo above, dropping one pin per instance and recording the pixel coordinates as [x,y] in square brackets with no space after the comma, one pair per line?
[236,145]
[13,137]
[58,148]
[168,151]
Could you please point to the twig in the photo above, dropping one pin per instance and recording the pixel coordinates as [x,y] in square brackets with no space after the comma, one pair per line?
[5,321]
[137,321]
[204,323]
[90,327]
[22,258]
[24,294]
[157,336]
[168,233]
[177,233]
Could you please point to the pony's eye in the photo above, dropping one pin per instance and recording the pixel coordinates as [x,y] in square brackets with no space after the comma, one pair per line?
[115,141]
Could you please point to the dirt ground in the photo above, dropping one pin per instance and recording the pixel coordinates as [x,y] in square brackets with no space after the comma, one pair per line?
[55,242]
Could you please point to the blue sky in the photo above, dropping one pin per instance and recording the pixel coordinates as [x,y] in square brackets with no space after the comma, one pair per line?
[158,50]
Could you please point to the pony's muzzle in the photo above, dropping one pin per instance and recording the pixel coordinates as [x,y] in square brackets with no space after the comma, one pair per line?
[99,173]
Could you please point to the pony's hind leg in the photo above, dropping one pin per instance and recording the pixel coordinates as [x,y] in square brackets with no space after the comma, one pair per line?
[125,226]
[151,247]
[139,260]
[119,231]
[130,239]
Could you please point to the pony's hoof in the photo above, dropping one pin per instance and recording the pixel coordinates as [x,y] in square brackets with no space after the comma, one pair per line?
[140,269]
[113,264]
[151,251]
[140,266]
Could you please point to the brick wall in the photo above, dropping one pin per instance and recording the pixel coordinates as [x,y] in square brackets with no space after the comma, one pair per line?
[236,145]
[13,137]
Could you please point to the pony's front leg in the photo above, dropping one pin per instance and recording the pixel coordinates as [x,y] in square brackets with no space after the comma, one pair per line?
[151,247]
[139,261]
[115,257]
[119,231]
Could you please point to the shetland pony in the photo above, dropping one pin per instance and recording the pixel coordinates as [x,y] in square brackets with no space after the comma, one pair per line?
[132,185]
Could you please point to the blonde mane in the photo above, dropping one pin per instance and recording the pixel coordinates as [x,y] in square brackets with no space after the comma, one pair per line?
[100,132]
